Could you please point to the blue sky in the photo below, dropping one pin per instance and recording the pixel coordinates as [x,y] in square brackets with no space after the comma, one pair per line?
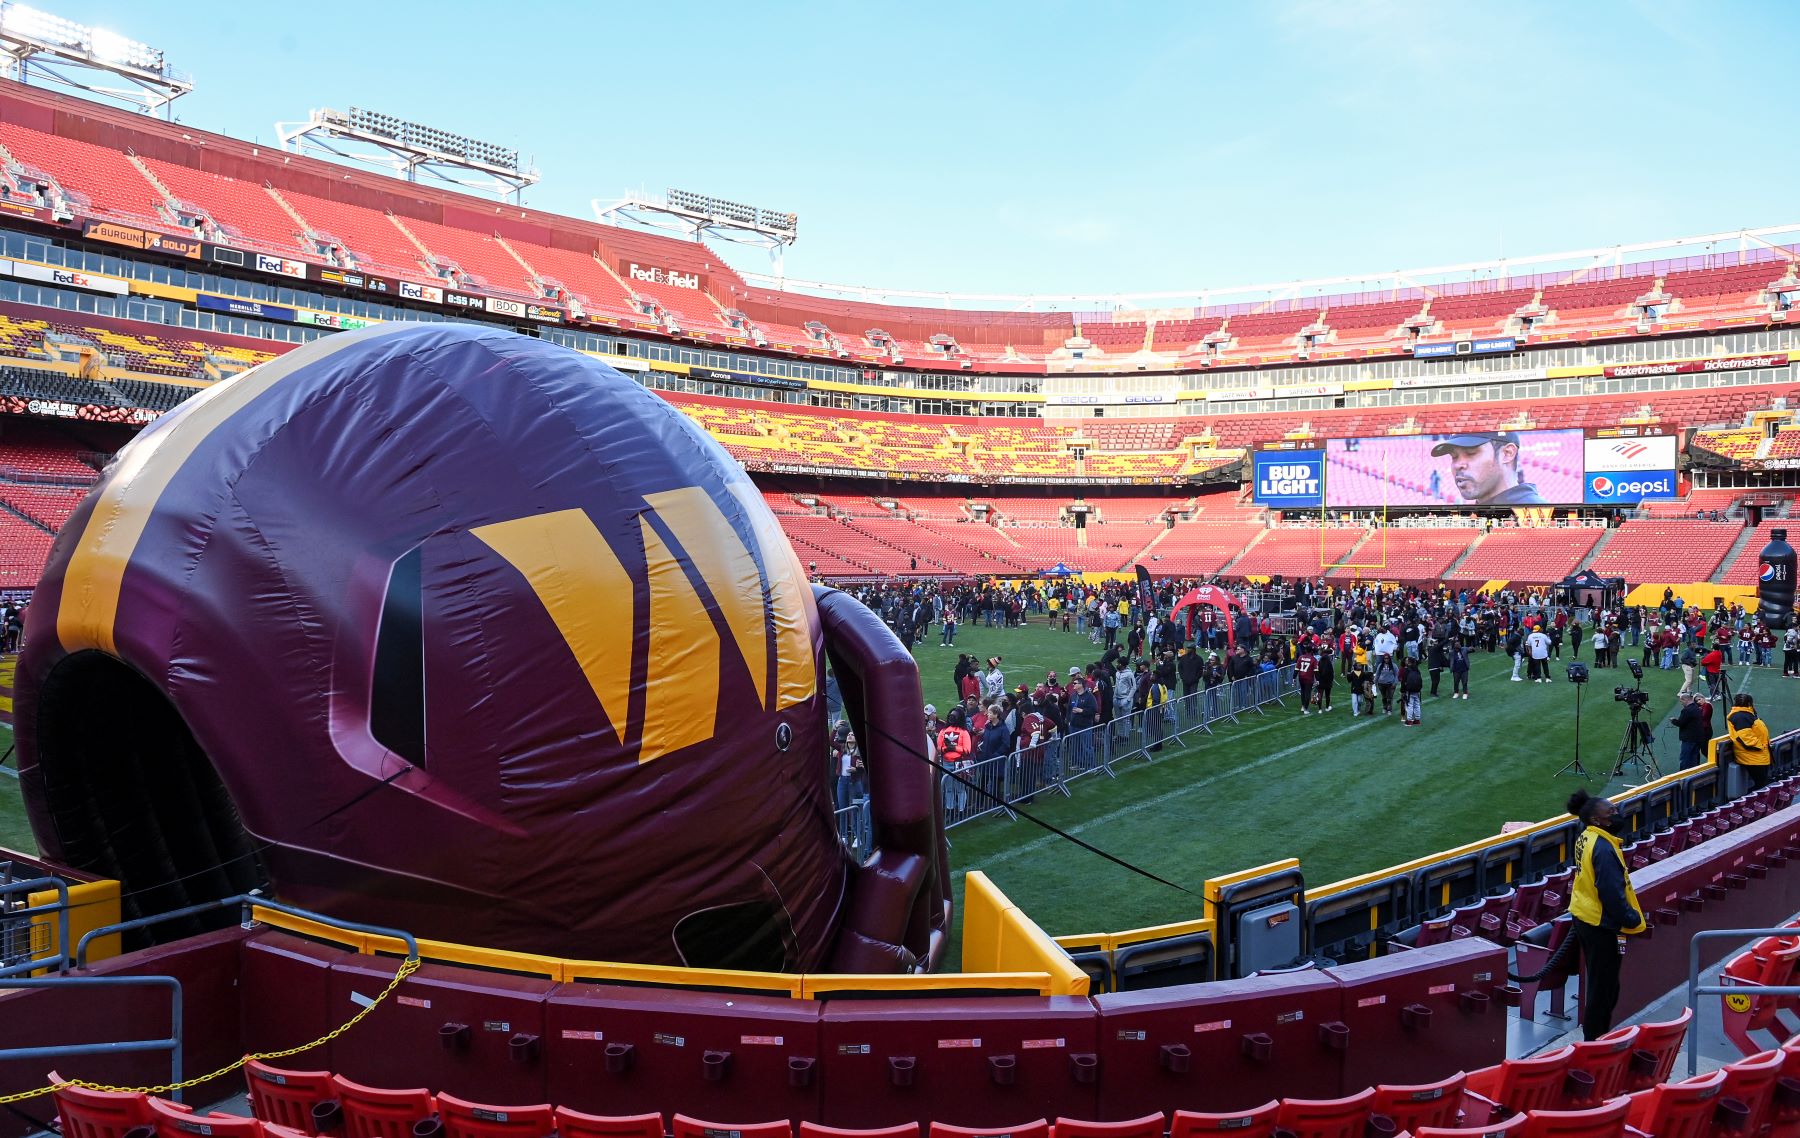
[1067,148]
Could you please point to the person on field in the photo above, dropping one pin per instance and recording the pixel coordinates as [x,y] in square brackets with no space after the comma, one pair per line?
[1602,906]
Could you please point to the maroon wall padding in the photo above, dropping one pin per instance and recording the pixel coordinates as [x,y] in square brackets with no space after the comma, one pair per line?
[414,1038]
[989,1061]
[739,1057]
[1224,1046]
[205,965]
[1430,1013]
[285,996]
[1246,1041]
[1728,882]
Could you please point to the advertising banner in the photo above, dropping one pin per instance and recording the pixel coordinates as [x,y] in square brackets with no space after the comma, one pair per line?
[86,412]
[1624,471]
[1476,468]
[66,278]
[280,266]
[136,238]
[1289,480]
[1686,367]
[239,307]
[430,294]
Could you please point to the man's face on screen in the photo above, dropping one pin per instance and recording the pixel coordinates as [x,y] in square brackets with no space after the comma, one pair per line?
[1478,471]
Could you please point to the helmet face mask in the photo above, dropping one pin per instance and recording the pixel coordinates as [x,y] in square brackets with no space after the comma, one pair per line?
[444,629]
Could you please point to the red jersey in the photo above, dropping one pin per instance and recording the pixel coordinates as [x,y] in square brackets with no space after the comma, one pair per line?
[1305,666]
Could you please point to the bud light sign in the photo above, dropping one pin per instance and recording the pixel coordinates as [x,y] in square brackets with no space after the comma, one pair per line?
[1290,480]
[1627,488]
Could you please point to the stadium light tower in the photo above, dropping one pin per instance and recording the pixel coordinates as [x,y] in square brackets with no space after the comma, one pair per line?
[696,216]
[410,149]
[35,45]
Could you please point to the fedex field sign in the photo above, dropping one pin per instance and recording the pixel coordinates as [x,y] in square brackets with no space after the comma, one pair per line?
[650,274]
[1289,479]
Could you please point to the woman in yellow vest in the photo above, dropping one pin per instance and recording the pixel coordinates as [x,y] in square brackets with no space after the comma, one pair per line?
[1603,906]
[1749,739]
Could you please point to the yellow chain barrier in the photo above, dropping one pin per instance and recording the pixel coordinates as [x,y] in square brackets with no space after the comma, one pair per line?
[407,968]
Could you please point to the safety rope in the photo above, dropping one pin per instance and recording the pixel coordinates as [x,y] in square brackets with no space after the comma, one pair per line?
[407,968]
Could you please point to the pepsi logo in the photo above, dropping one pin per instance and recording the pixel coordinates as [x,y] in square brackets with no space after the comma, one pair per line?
[1603,485]
[1766,572]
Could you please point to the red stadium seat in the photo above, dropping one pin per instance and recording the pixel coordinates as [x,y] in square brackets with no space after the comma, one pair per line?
[175,1120]
[681,1126]
[1657,1046]
[1427,1104]
[1506,1128]
[1326,1118]
[1149,1126]
[1604,1121]
[1518,1085]
[1678,1110]
[1256,1123]
[574,1124]
[814,1130]
[1752,1082]
[287,1098]
[464,1119]
[372,1112]
[1603,1060]
[98,1114]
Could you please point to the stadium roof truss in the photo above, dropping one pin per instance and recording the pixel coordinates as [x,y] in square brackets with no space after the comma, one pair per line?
[37,46]
[697,216]
[1597,264]
[410,149]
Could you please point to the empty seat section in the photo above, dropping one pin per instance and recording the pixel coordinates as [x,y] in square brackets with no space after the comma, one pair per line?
[374,1112]
[103,178]
[1527,556]
[575,1124]
[98,1114]
[681,1126]
[1655,550]
[368,235]
[1297,552]
[478,255]
[247,211]
[463,1119]
[287,1097]
[583,276]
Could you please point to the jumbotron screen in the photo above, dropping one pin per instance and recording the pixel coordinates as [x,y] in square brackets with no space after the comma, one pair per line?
[1477,468]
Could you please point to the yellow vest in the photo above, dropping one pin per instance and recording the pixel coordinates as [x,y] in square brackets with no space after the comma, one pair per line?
[1584,897]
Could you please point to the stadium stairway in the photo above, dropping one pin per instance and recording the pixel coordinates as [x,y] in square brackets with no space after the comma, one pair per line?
[1739,549]
[1465,555]
[1225,569]
[1594,553]
[35,523]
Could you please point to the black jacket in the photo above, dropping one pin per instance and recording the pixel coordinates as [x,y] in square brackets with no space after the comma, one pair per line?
[1691,725]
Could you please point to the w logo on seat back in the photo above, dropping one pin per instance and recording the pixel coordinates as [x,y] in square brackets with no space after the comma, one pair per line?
[589,595]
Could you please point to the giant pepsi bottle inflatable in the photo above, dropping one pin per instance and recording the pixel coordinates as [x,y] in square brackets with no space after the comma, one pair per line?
[1775,581]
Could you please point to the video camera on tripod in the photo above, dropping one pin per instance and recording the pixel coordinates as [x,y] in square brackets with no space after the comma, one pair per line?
[1635,747]
[1635,698]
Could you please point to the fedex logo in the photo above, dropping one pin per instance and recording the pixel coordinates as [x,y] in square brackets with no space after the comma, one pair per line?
[653,275]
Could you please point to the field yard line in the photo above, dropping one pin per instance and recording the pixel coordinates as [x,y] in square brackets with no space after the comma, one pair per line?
[1180,792]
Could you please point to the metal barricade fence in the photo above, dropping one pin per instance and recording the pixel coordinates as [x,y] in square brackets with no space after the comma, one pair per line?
[964,802]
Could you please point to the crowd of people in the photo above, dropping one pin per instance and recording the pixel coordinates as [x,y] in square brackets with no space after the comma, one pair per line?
[1379,651]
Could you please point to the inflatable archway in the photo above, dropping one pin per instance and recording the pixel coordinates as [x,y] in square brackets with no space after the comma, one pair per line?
[451,629]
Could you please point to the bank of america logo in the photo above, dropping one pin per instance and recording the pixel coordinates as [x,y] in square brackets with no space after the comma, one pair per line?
[1629,450]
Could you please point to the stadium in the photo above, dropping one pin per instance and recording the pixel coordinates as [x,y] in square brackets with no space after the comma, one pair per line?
[479,671]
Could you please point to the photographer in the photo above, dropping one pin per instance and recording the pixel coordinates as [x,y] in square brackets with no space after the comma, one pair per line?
[1693,725]
[1602,905]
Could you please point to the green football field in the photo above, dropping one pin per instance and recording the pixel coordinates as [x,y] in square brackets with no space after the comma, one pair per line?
[1344,796]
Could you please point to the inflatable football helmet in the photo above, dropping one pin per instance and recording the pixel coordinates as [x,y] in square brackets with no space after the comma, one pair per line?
[448,629]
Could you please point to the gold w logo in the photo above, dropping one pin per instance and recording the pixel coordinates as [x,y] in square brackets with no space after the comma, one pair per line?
[588,594]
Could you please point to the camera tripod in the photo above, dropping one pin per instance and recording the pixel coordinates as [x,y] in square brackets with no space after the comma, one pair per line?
[1635,748]
[1573,766]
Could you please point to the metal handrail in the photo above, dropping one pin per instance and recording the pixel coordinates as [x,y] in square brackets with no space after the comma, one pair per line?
[247,902]
[60,961]
[172,1044]
[1696,989]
